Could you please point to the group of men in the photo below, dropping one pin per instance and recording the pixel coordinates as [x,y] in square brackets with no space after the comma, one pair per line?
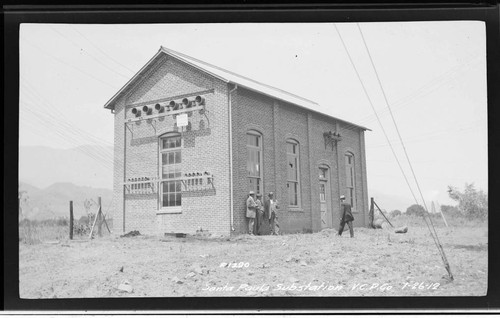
[263,219]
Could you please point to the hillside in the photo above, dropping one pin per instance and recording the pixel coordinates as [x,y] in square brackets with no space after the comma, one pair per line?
[89,165]
[53,201]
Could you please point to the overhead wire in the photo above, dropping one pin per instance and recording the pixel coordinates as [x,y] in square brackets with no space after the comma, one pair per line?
[376,115]
[60,116]
[440,248]
[422,91]
[88,53]
[61,130]
[67,64]
[426,89]
[100,50]
[373,108]
[54,126]
[84,138]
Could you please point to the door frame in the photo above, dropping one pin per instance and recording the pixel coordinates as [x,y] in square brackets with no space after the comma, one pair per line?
[325,179]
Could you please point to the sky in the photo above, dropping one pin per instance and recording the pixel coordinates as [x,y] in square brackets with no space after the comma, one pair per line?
[433,75]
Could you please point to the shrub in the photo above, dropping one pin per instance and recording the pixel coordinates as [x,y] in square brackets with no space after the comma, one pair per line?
[83,220]
[415,210]
[472,203]
[452,211]
[395,213]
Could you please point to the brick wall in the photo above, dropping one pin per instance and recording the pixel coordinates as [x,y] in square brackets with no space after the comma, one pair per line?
[205,148]
[278,122]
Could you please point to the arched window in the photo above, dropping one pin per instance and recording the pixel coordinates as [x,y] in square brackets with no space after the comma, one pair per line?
[350,180]
[254,161]
[170,170]
[293,175]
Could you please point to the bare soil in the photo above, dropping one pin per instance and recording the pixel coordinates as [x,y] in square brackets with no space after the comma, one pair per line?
[374,263]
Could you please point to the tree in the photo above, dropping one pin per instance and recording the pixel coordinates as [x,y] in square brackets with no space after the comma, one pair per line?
[395,213]
[416,210]
[472,203]
[450,210]
[22,199]
[90,216]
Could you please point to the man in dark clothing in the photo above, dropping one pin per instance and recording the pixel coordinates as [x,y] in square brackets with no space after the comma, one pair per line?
[346,216]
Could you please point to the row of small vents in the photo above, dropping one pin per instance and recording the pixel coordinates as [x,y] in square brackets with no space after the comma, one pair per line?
[170,106]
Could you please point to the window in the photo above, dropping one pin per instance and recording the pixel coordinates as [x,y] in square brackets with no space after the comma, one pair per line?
[254,161]
[322,173]
[322,193]
[350,180]
[293,183]
[170,171]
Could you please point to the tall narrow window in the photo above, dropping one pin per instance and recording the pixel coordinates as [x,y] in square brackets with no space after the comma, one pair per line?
[293,176]
[254,161]
[170,171]
[350,180]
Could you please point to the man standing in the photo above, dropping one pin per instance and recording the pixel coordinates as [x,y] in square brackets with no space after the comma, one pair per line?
[271,208]
[259,207]
[346,216]
[251,212]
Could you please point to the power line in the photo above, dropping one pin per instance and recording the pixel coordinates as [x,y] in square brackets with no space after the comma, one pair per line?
[426,89]
[104,53]
[378,119]
[67,64]
[440,248]
[61,117]
[373,108]
[90,55]
[54,126]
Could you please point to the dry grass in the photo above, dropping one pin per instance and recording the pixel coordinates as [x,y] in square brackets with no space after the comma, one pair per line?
[437,221]
[37,232]
[32,234]
[166,267]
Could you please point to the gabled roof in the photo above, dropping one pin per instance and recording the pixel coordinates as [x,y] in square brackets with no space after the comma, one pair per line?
[228,77]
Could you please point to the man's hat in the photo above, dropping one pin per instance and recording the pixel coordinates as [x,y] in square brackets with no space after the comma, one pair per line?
[271,193]
[259,195]
[251,192]
[342,197]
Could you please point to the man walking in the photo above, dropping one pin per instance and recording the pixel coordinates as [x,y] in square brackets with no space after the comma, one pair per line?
[251,211]
[346,216]
[271,208]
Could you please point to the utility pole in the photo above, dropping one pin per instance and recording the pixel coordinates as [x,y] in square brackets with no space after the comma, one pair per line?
[442,215]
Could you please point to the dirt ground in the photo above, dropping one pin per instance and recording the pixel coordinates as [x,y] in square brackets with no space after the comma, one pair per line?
[374,263]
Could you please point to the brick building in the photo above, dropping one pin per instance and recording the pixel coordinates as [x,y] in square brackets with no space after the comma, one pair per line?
[192,139]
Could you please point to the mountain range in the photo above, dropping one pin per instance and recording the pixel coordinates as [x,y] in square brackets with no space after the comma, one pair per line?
[88,165]
[52,177]
[53,201]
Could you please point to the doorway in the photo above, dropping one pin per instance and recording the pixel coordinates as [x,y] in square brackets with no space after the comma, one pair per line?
[324,199]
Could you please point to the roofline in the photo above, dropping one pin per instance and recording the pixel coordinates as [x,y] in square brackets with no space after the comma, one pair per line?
[111,100]
[233,73]
[183,58]
[305,108]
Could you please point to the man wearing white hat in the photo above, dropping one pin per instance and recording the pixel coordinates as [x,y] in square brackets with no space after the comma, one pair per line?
[270,208]
[251,212]
[346,216]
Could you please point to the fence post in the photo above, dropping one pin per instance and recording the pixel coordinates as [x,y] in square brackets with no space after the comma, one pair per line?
[70,220]
[99,217]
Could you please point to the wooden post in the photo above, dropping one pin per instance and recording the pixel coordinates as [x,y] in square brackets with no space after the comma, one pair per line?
[442,215]
[371,213]
[99,216]
[70,220]
[382,213]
